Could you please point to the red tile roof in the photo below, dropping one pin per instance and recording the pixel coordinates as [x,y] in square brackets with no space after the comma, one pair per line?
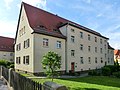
[47,23]
[6,44]
[116,52]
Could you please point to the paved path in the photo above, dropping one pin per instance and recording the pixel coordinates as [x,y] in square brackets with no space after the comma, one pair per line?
[63,76]
[3,85]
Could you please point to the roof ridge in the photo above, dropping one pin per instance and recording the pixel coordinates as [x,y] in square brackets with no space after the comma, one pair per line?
[6,37]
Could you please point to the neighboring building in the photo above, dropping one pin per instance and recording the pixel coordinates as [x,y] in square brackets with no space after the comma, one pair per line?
[39,31]
[110,55]
[117,56]
[6,48]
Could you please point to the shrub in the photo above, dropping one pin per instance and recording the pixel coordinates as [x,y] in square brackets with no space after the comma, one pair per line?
[116,74]
[106,71]
[94,72]
[6,64]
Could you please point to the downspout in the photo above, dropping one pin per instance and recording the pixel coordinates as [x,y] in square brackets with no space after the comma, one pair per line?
[66,62]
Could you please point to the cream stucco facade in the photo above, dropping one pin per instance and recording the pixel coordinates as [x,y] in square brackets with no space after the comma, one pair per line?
[78,54]
[35,50]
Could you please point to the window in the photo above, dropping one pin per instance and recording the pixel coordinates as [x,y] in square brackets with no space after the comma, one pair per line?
[81,34]
[11,54]
[95,39]
[81,46]
[45,42]
[81,60]
[72,39]
[72,52]
[72,30]
[89,48]
[108,60]
[88,37]
[89,60]
[22,31]
[58,44]
[105,46]
[95,49]
[26,43]
[101,60]
[26,60]
[17,60]
[95,59]
[101,41]
[100,50]
[18,47]
[105,55]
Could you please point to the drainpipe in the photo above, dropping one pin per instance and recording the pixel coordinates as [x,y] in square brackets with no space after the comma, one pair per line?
[66,62]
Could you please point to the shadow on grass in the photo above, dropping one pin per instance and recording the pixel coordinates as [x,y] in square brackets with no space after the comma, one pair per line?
[99,80]
[78,88]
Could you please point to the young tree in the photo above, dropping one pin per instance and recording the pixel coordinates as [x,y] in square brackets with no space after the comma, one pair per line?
[51,62]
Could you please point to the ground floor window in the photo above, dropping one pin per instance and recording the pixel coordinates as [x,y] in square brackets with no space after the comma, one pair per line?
[17,60]
[26,60]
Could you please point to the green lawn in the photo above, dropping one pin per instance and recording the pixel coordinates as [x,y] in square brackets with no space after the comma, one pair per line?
[88,83]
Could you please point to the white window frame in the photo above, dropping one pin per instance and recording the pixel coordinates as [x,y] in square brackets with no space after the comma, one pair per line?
[58,44]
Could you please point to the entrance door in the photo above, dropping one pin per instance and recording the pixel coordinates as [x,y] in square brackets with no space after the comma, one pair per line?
[72,66]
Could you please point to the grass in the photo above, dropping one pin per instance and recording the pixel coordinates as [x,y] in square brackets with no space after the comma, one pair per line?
[88,83]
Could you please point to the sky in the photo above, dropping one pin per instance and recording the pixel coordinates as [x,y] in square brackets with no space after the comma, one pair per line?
[102,16]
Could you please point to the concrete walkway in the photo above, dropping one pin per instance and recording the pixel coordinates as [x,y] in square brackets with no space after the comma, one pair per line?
[3,85]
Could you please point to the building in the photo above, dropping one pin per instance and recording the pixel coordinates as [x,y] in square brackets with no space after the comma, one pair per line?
[117,56]
[6,48]
[110,55]
[39,31]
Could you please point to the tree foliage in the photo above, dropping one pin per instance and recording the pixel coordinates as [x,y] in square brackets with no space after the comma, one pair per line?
[6,64]
[51,62]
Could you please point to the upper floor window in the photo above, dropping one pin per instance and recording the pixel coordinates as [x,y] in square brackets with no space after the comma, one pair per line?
[101,41]
[22,31]
[72,52]
[88,37]
[89,48]
[81,34]
[45,42]
[11,54]
[105,55]
[17,60]
[72,39]
[89,60]
[101,50]
[27,43]
[95,49]
[72,30]
[105,46]
[95,59]
[81,60]
[81,46]
[26,60]
[18,47]
[95,39]
[58,44]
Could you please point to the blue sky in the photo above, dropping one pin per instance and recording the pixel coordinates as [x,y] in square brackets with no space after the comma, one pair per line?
[102,16]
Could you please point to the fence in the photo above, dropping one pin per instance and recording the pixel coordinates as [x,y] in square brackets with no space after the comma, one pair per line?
[19,82]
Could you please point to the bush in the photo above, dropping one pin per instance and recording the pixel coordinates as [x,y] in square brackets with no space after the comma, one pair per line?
[106,71]
[6,63]
[116,74]
[94,72]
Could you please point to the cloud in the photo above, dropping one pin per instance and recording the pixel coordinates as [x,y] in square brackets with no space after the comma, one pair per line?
[37,3]
[7,3]
[8,28]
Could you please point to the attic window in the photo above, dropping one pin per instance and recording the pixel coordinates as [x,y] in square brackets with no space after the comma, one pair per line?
[40,26]
[55,30]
